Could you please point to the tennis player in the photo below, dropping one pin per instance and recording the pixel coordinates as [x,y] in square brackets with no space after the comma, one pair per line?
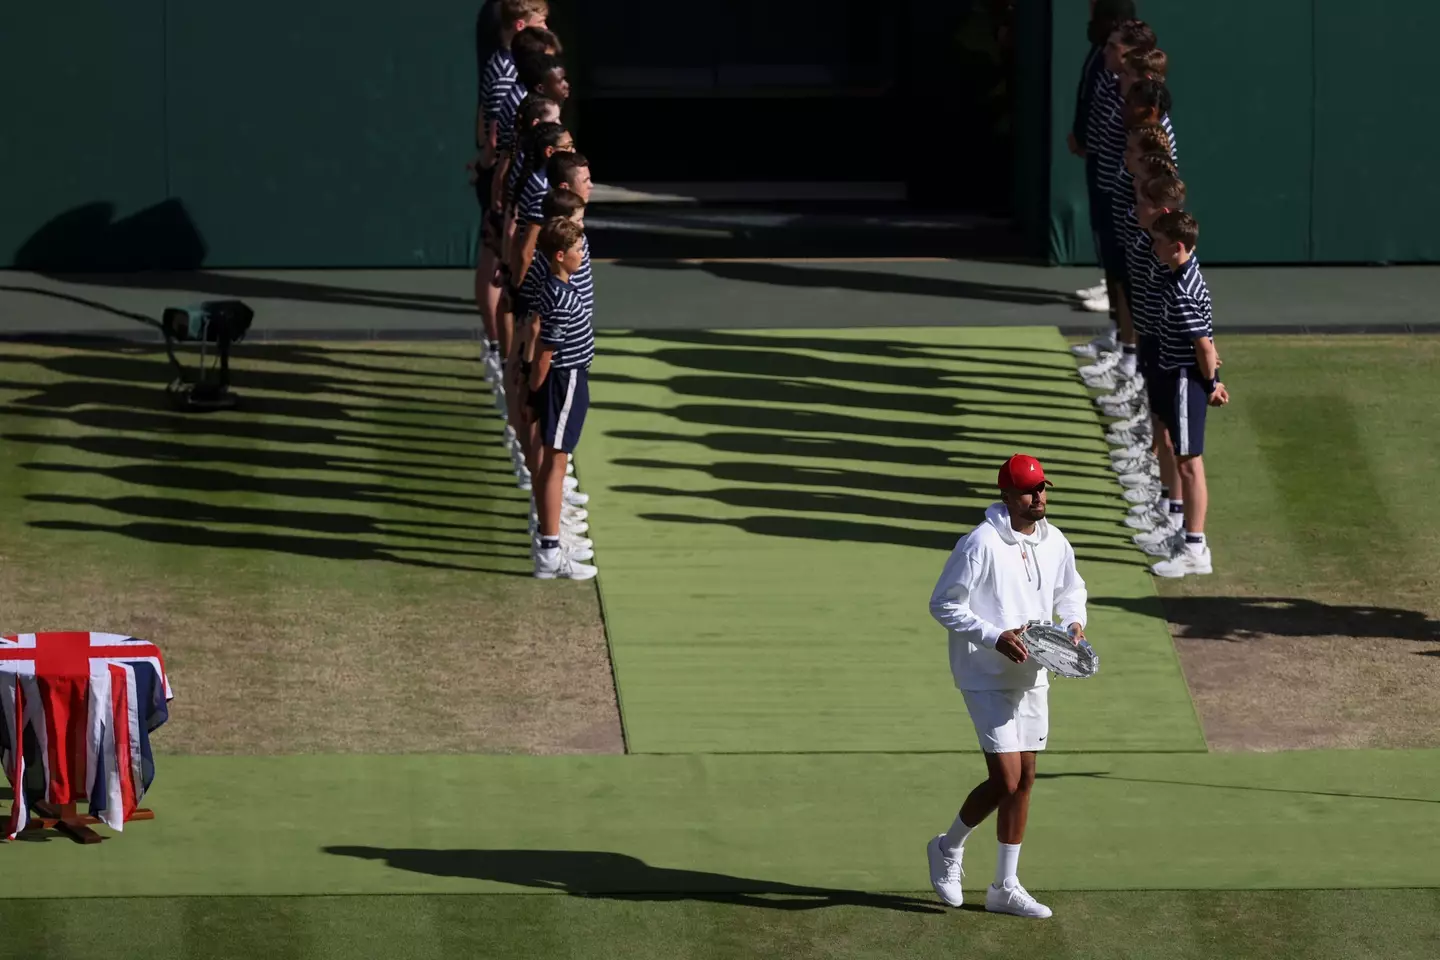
[1013,568]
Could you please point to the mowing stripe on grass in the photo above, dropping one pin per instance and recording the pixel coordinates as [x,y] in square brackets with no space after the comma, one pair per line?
[759,824]
[771,510]
[1170,925]
[1309,483]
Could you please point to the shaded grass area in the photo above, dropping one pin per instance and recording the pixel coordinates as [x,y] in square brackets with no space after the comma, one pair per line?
[1321,624]
[341,564]
[1172,925]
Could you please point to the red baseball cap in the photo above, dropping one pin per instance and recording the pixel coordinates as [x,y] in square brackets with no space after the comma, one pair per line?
[1022,472]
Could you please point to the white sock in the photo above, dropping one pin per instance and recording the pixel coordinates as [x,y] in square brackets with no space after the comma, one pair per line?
[1008,863]
[1195,543]
[1127,365]
[1163,505]
[955,837]
[1177,514]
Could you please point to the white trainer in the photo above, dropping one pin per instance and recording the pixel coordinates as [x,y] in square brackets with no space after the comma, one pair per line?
[1141,418]
[1145,481]
[1129,453]
[571,531]
[574,498]
[1100,304]
[561,564]
[1143,494]
[1105,343]
[1167,546]
[1013,898]
[1109,380]
[1148,517]
[1090,293]
[579,548]
[1184,563]
[1141,464]
[1133,436]
[945,872]
[1158,533]
[1106,363]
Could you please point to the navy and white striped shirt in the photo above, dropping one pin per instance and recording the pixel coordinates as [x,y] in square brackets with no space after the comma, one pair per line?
[1170,132]
[535,279]
[1105,137]
[564,325]
[509,106]
[583,280]
[512,176]
[495,85]
[1122,208]
[1185,314]
[530,206]
[1146,273]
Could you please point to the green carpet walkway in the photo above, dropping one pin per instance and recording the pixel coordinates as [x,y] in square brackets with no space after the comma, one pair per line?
[771,511]
[450,824]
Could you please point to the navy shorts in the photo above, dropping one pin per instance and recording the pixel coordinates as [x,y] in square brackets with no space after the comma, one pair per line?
[1179,400]
[1113,253]
[565,399]
[484,178]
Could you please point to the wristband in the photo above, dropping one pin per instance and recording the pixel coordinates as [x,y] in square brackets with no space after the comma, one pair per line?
[1210,385]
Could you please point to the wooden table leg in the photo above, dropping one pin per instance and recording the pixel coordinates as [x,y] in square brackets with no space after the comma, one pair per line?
[63,817]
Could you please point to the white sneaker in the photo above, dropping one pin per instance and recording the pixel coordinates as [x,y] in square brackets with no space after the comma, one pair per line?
[1141,464]
[1106,363]
[1118,435]
[574,498]
[1100,304]
[571,531]
[561,564]
[579,548]
[1105,343]
[1185,562]
[1148,517]
[1013,898]
[1157,534]
[1128,453]
[1140,481]
[1089,293]
[1137,420]
[569,468]
[945,872]
[510,438]
[522,480]
[1127,388]
[1109,380]
[1143,494]
[1170,543]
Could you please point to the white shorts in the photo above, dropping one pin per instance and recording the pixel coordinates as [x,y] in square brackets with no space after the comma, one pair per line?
[1010,721]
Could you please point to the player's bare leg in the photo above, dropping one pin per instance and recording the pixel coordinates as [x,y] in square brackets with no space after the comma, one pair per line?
[487,295]
[1197,497]
[1169,469]
[1193,555]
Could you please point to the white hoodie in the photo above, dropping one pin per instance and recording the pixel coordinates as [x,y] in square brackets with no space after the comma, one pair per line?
[998,579]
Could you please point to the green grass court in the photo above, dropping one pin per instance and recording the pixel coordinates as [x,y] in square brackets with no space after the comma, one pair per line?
[350,769]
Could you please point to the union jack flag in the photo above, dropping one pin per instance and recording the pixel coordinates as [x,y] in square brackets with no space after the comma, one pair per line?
[78,711]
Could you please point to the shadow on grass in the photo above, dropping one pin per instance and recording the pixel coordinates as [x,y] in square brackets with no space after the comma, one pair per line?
[783,415]
[598,874]
[1238,619]
[364,472]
